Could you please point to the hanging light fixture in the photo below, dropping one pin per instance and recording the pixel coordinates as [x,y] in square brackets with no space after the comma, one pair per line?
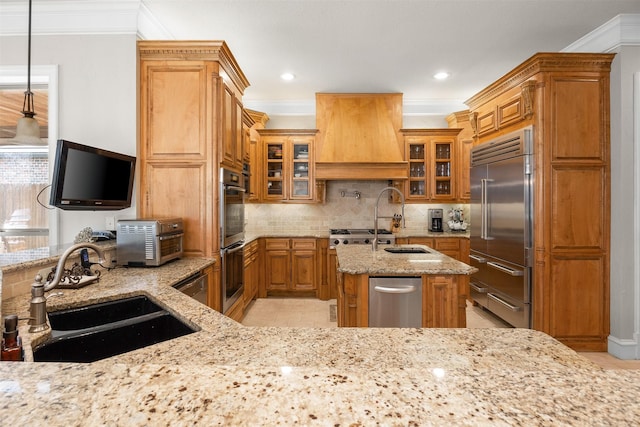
[27,129]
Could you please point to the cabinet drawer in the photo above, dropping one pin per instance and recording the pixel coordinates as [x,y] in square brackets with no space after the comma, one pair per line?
[275,244]
[447,244]
[303,243]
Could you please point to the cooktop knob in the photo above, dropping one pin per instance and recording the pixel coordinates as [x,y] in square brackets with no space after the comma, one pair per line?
[336,242]
[366,241]
[345,241]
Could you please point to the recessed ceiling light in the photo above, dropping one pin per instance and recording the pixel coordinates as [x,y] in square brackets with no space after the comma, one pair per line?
[441,75]
[287,76]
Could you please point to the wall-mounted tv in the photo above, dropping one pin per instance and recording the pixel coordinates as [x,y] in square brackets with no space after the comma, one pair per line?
[88,178]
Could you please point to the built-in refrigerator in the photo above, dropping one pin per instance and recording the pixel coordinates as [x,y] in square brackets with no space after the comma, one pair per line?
[502,174]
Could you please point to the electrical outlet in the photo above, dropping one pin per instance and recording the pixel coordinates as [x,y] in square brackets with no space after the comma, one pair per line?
[110,223]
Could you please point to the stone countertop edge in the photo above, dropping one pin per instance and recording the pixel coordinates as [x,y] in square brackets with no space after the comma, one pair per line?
[227,373]
[361,259]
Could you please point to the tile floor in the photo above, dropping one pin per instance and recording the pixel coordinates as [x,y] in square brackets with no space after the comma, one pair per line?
[313,313]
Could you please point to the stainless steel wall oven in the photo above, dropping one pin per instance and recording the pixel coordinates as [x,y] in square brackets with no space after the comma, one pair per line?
[232,194]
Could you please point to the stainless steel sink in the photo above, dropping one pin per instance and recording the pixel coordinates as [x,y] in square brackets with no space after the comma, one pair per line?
[98,331]
[411,250]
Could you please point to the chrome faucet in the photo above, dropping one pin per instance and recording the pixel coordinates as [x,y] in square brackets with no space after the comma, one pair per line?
[38,306]
[376,217]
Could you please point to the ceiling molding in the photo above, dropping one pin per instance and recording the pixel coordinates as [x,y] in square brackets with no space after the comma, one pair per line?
[149,28]
[622,30]
[69,17]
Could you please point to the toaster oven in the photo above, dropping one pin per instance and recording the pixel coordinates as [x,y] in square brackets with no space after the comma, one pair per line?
[148,242]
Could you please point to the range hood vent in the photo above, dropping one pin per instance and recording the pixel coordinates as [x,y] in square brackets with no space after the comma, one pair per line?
[359,137]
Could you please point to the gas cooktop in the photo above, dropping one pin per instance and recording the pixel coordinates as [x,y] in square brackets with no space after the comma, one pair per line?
[359,236]
[357,231]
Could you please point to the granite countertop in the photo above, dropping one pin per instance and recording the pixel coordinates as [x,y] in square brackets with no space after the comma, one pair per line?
[361,259]
[230,374]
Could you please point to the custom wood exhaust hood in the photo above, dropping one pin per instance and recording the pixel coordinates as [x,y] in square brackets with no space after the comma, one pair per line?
[359,136]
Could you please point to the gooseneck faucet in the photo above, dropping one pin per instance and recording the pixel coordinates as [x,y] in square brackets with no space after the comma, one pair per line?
[376,217]
[38,306]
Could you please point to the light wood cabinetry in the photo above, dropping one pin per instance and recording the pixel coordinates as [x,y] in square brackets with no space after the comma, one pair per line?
[290,265]
[251,272]
[464,143]
[443,301]
[327,264]
[565,97]
[432,164]
[285,165]
[189,120]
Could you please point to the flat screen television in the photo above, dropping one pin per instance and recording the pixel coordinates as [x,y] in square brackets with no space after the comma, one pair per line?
[88,178]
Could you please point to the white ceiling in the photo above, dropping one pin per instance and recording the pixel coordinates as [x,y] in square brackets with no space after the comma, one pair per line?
[382,45]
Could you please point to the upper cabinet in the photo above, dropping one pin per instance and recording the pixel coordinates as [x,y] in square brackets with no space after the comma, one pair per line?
[432,164]
[190,124]
[286,165]
[464,144]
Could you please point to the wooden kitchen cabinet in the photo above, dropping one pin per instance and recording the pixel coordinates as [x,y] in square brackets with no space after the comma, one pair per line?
[286,165]
[290,265]
[189,117]
[565,98]
[327,264]
[443,301]
[251,272]
[432,164]
[464,143]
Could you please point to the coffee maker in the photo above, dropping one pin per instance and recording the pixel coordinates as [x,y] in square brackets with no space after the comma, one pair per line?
[435,220]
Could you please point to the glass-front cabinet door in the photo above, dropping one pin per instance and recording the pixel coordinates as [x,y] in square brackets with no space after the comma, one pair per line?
[442,164]
[417,170]
[274,155]
[288,166]
[430,154]
[301,186]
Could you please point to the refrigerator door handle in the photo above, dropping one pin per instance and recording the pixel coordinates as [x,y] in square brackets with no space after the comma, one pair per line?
[505,269]
[484,223]
[503,302]
[478,259]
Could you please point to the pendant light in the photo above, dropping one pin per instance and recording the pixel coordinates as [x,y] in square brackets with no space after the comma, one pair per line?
[27,129]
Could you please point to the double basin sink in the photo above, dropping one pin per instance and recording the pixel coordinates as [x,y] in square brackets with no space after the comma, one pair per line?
[98,331]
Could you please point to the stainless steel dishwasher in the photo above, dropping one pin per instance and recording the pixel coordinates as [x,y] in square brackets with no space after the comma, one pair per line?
[395,302]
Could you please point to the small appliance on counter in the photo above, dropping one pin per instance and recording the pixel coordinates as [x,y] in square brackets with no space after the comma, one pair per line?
[149,242]
[435,220]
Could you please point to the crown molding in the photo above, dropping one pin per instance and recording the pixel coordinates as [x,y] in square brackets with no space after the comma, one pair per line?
[53,17]
[622,30]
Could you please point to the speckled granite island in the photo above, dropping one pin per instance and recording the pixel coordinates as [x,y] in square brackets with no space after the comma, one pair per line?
[228,374]
[445,282]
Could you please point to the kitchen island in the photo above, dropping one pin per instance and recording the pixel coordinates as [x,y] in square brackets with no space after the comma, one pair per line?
[444,281]
[234,375]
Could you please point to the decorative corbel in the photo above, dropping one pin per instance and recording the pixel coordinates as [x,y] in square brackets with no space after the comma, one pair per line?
[473,120]
[528,90]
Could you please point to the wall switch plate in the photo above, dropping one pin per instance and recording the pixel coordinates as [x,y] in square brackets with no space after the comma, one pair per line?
[110,223]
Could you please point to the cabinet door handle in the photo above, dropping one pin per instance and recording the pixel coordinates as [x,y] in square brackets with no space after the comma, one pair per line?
[505,269]
[398,290]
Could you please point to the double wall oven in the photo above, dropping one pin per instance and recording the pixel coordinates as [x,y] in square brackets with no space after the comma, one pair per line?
[232,194]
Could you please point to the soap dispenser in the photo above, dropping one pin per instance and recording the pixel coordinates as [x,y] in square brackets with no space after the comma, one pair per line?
[11,342]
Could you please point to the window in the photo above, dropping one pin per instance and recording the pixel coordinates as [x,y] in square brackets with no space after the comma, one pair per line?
[26,220]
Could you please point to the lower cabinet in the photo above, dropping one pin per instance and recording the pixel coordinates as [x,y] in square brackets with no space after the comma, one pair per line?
[290,265]
[443,301]
[251,272]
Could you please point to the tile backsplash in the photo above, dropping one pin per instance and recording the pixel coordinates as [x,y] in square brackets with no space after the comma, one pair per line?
[338,211]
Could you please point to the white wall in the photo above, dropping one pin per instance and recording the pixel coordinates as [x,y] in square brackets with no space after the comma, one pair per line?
[624,341]
[97,92]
